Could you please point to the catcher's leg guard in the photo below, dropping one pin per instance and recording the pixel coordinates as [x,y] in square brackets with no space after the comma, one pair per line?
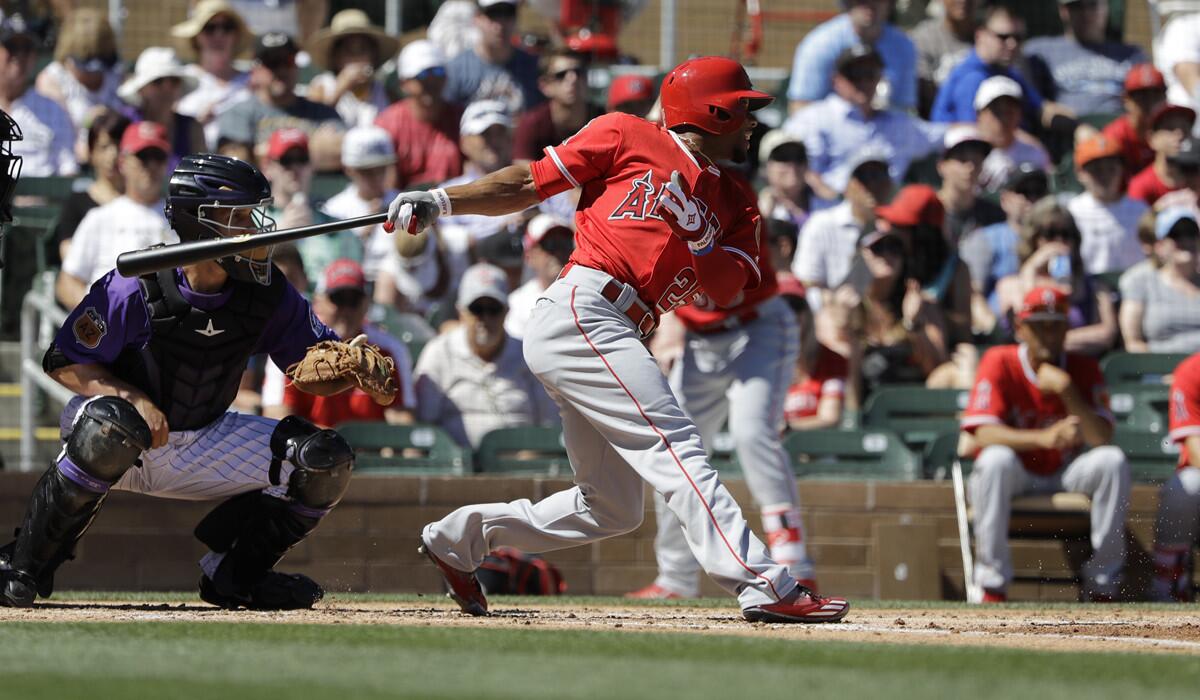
[105,440]
[254,530]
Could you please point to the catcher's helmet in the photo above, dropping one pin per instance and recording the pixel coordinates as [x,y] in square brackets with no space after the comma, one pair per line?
[211,196]
[711,93]
[10,165]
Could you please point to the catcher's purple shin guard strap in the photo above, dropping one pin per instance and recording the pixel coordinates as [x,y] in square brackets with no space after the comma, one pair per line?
[307,512]
[81,478]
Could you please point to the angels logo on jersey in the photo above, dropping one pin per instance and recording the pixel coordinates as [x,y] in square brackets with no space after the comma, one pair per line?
[639,202]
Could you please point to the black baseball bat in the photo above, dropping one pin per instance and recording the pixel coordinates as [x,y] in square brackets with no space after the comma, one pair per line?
[136,263]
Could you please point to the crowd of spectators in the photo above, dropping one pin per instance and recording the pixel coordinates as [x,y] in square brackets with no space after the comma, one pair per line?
[920,187]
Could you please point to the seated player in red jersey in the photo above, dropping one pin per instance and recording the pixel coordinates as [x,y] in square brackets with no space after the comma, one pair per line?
[1179,500]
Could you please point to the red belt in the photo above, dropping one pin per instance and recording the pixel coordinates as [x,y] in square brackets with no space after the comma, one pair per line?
[727,324]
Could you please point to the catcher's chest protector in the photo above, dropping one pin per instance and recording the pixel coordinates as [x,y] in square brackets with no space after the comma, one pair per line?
[193,363]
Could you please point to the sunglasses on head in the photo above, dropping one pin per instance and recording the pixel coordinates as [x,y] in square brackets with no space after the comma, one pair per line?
[216,27]
[485,307]
[577,71]
[347,297]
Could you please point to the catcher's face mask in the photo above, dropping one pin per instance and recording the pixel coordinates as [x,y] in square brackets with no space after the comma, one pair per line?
[232,220]
[10,165]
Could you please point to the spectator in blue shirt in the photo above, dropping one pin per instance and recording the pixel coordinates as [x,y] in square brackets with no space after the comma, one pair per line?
[494,69]
[863,22]
[997,48]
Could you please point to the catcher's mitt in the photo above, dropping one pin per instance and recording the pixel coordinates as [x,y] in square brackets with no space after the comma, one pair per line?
[329,364]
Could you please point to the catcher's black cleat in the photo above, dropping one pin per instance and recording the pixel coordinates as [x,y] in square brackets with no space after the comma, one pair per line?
[462,586]
[17,590]
[274,591]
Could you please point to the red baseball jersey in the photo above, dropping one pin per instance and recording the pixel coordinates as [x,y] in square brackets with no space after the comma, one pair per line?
[1185,405]
[828,379]
[1006,393]
[1134,149]
[622,163]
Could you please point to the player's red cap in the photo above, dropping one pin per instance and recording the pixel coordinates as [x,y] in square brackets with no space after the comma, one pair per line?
[142,135]
[1144,76]
[711,93]
[344,273]
[627,88]
[913,205]
[1044,304]
[284,140]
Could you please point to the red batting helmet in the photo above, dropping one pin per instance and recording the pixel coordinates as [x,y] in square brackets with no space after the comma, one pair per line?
[710,93]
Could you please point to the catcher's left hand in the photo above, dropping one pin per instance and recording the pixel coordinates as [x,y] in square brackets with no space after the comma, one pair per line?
[331,366]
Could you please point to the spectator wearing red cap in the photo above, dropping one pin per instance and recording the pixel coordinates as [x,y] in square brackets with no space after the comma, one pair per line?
[563,80]
[1144,91]
[549,242]
[288,168]
[132,221]
[1040,416]
[423,126]
[1050,254]
[1107,218]
[631,94]
[818,390]
[1169,126]
[341,302]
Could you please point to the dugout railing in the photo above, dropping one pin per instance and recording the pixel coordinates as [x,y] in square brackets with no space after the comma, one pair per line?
[37,306]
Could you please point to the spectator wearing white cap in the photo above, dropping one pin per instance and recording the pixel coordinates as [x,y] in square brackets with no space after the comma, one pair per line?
[212,36]
[367,159]
[1160,312]
[564,83]
[157,83]
[351,49]
[999,104]
[473,378]
[423,126]
[49,136]
[485,137]
[549,242]
[494,68]
[964,151]
[838,126]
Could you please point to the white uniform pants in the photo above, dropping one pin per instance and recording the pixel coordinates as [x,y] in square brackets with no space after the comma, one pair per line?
[621,425]
[998,476]
[742,376]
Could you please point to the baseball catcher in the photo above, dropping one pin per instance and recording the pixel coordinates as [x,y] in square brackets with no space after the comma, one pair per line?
[10,172]
[156,362]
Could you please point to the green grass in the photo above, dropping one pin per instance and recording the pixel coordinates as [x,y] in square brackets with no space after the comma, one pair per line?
[344,662]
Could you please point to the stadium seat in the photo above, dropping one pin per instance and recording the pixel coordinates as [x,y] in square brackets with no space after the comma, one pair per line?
[326,185]
[381,448]
[52,189]
[524,450]
[916,414]
[940,454]
[851,454]
[1152,456]
[1140,406]
[408,328]
[1139,367]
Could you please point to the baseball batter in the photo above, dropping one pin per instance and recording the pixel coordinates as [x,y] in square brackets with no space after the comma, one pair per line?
[156,362]
[1178,521]
[657,223]
[737,364]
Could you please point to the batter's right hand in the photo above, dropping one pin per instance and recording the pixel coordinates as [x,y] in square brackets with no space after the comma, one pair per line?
[154,418]
[412,212]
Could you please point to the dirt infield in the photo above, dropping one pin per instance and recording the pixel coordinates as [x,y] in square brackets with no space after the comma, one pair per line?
[1080,628]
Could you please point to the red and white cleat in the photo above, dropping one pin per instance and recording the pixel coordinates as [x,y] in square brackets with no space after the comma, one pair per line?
[654,592]
[801,605]
[462,586]
[994,597]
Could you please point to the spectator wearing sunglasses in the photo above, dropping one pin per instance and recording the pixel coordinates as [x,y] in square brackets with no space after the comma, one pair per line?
[213,37]
[423,126]
[351,50]
[565,111]
[1160,311]
[132,221]
[85,72]
[494,68]
[473,378]
[549,242]
[49,136]
[273,104]
[341,302]
[288,168]
[1170,127]
[157,83]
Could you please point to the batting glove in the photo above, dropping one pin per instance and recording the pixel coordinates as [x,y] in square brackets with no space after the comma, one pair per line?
[413,212]
[677,206]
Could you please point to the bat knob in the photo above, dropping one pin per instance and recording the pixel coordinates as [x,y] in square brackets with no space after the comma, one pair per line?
[389,227]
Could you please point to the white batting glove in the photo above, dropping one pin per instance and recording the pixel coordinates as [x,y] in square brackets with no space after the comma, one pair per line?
[677,206]
[413,212]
